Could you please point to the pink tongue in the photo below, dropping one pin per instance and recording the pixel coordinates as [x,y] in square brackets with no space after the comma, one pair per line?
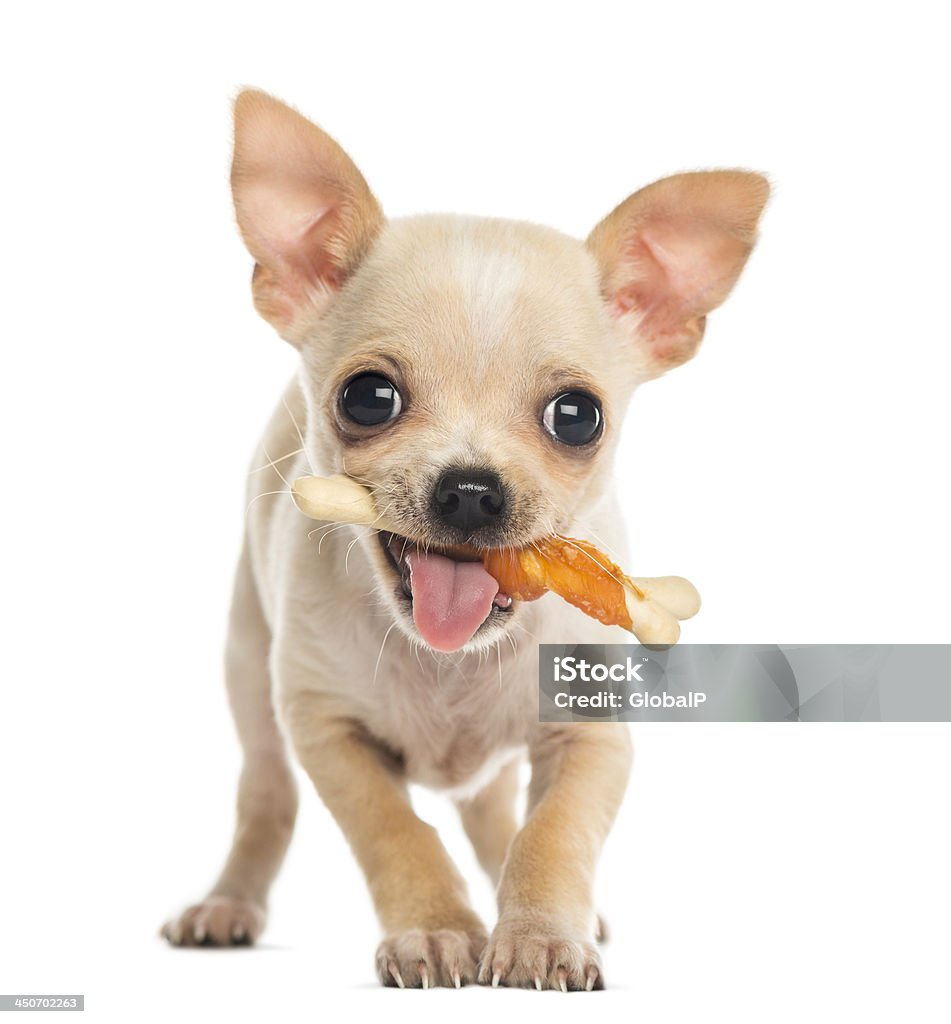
[450,599]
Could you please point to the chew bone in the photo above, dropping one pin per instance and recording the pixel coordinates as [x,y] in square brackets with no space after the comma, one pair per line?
[338,499]
[652,605]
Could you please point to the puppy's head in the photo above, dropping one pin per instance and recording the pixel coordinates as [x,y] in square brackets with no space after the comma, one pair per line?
[472,372]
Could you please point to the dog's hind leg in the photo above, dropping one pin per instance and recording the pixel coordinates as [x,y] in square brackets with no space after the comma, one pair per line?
[489,820]
[234,911]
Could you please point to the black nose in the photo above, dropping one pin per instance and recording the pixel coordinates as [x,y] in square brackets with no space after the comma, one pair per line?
[469,499]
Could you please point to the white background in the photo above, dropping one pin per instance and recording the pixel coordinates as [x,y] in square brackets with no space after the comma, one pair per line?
[796,471]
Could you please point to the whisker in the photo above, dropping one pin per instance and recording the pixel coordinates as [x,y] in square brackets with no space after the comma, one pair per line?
[263,494]
[526,631]
[300,436]
[603,545]
[587,554]
[380,655]
[346,561]
[364,480]
[383,513]
[332,525]
[338,526]
[276,470]
[273,463]
[324,528]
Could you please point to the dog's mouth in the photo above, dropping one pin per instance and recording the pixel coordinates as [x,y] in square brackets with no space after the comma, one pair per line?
[451,594]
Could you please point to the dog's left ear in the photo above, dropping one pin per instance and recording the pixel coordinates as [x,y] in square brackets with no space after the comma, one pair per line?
[670,253]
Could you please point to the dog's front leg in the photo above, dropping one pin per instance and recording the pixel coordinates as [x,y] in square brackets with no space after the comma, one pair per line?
[432,936]
[545,932]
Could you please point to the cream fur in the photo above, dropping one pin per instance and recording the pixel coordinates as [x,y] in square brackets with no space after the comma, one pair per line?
[478,320]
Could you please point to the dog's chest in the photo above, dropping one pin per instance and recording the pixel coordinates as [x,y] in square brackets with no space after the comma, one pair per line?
[452,729]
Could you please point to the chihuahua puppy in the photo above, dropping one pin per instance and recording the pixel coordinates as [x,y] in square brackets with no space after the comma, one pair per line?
[473,373]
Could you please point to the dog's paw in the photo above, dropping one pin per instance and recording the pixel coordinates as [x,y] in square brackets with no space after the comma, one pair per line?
[529,955]
[427,959]
[216,921]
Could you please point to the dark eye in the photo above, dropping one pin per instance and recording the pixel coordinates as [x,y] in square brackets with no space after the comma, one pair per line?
[371,400]
[573,418]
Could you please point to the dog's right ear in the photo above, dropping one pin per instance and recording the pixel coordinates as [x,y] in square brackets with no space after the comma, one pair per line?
[304,210]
